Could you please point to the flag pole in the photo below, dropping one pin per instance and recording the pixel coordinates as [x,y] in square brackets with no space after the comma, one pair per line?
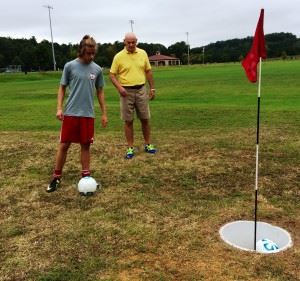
[257,150]
[255,56]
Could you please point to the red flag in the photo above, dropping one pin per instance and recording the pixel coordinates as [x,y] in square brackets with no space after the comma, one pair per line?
[257,50]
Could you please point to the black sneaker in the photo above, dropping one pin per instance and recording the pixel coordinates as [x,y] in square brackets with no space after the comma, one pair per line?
[54,184]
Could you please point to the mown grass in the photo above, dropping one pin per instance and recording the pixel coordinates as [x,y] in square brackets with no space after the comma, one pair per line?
[155,218]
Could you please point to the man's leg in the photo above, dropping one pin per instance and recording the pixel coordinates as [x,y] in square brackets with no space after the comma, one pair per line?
[143,112]
[149,147]
[61,157]
[128,128]
[146,130]
[85,157]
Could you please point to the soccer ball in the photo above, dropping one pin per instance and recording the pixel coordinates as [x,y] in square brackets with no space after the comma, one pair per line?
[266,246]
[87,186]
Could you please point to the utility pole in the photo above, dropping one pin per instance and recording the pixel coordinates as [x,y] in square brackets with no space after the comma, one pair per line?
[131,24]
[53,55]
[188,47]
[203,55]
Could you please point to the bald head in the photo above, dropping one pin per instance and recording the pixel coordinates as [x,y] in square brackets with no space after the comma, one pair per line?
[130,36]
[130,42]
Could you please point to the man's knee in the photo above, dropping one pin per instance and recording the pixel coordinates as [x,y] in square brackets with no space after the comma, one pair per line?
[145,122]
[64,146]
[129,123]
[85,146]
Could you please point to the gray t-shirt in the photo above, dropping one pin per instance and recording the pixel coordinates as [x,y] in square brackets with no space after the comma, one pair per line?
[82,80]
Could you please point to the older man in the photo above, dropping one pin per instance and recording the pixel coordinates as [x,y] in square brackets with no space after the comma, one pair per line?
[129,71]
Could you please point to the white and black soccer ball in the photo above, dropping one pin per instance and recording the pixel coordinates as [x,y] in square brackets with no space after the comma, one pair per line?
[87,186]
[266,246]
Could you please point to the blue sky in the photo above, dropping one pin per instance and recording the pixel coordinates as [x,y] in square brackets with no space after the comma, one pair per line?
[155,21]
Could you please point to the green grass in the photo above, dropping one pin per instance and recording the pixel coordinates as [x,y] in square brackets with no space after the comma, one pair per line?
[202,97]
[156,218]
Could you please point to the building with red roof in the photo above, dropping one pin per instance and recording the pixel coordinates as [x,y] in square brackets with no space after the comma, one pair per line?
[161,60]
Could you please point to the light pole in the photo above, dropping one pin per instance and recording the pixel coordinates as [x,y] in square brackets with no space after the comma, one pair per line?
[203,55]
[131,24]
[53,55]
[188,47]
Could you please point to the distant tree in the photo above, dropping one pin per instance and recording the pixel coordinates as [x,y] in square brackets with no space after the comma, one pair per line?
[38,56]
[62,55]
[29,59]
[151,49]
[17,61]
[179,50]
[281,42]
[44,56]
[2,65]
[33,41]
[196,58]
[297,46]
[284,55]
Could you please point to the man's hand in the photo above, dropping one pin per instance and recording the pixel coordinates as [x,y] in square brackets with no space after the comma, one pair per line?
[152,94]
[59,115]
[104,121]
[123,92]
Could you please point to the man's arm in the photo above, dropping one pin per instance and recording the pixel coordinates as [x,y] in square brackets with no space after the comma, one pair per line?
[150,80]
[118,86]
[60,100]
[101,99]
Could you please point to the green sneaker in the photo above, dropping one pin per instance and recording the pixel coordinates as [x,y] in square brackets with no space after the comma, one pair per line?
[149,148]
[129,153]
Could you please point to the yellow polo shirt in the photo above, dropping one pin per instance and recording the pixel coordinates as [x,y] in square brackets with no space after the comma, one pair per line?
[131,67]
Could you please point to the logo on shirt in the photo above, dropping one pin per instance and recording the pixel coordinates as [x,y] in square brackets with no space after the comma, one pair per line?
[92,76]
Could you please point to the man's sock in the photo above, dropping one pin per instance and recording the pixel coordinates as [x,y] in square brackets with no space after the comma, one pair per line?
[57,174]
[85,173]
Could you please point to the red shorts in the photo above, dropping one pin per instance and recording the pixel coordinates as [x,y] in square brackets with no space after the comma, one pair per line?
[77,129]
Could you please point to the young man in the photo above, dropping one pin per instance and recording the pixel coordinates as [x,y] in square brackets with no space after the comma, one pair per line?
[129,71]
[83,77]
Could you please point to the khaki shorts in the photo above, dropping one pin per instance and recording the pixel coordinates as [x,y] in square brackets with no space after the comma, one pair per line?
[137,100]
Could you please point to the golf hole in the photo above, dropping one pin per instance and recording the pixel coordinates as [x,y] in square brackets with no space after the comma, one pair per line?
[240,234]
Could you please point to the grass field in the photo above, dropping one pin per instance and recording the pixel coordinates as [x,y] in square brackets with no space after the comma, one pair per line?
[156,217]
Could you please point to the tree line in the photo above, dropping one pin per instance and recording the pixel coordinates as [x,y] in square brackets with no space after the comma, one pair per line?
[34,56]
